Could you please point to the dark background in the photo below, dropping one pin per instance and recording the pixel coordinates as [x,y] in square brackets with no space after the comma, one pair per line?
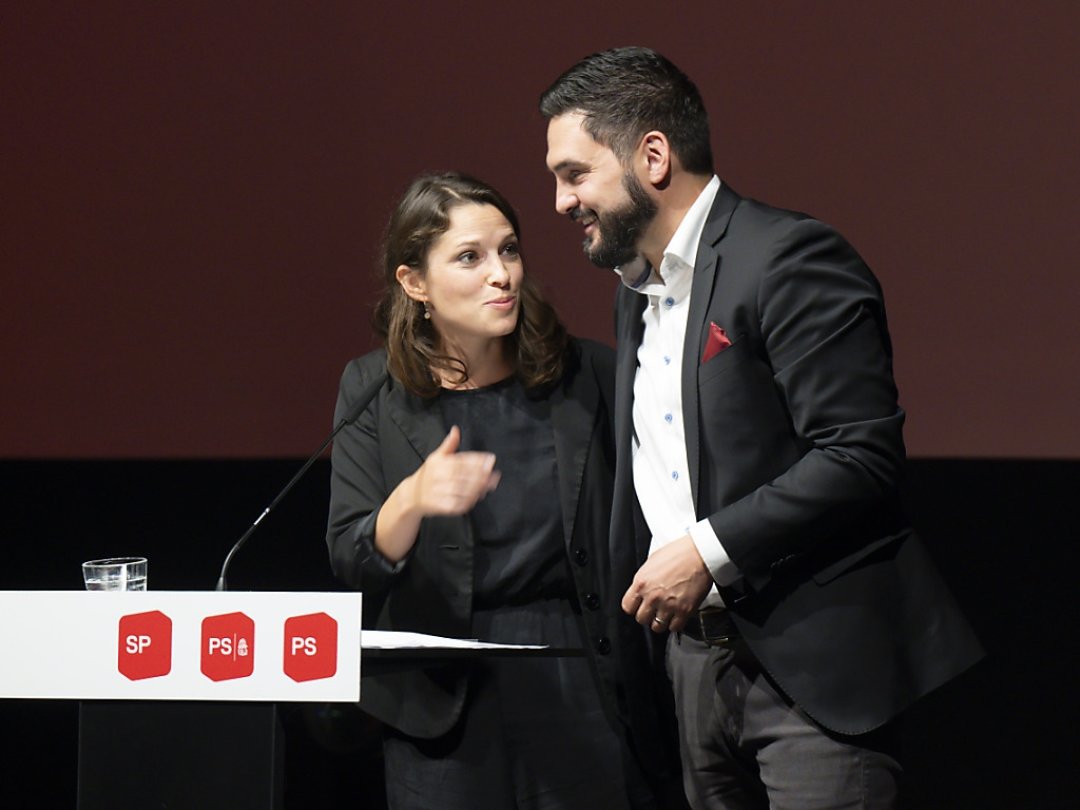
[193,193]
[191,197]
[1002,736]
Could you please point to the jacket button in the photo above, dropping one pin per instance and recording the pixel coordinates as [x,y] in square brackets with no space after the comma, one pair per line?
[603,645]
[591,600]
[581,556]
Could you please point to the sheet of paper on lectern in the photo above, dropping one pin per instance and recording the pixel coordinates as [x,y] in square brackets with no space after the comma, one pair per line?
[391,640]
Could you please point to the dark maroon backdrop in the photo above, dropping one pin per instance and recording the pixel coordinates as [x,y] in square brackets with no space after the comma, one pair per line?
[192,196]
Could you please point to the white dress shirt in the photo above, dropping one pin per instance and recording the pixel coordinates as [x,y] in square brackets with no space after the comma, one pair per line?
[660,467]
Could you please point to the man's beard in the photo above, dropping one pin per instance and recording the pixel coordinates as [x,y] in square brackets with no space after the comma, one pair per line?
[619,230]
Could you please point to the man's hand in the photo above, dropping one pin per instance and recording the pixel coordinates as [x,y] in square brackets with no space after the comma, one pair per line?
[670,585]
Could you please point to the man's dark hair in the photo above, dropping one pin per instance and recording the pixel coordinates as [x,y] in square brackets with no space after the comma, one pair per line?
[624,93]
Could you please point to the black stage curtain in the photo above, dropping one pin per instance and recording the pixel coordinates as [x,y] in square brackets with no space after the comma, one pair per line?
[1003,532]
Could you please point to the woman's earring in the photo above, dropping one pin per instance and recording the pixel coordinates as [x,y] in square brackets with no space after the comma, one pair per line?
[427,311]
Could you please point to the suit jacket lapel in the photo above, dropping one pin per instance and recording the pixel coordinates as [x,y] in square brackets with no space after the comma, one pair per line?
[706,269]
[629,331]
[573,412]
[420,420]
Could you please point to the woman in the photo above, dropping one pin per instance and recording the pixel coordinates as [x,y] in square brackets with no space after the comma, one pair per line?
[471,499]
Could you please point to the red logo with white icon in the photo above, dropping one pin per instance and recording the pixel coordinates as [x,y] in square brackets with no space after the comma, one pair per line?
[228,647]
[145,645]
[311,647]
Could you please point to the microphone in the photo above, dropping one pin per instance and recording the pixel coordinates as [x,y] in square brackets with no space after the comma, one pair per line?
[362,401]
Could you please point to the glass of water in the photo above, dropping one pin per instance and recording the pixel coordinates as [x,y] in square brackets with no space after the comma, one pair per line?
[115,574]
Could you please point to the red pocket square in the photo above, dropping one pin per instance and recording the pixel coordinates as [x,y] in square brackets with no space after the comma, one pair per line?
[717,342]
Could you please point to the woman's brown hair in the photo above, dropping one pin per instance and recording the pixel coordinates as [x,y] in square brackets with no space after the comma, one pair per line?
[538,343]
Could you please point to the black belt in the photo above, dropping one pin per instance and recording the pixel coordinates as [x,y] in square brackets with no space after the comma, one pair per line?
[713,626]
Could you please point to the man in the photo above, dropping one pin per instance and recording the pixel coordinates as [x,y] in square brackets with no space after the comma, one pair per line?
[759,451]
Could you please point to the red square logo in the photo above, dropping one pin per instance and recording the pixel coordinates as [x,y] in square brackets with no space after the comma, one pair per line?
[228,647]
[145,645]
[311,647]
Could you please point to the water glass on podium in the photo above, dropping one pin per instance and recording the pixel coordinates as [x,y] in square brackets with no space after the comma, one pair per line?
[115,574]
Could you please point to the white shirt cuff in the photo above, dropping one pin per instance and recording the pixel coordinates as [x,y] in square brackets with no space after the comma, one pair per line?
[720,566]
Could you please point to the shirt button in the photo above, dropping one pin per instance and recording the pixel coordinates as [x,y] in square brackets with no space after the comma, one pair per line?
[603,645]
[674,475]
[667,418]
[581,556]
[669,302]
[667,360]
[592,601]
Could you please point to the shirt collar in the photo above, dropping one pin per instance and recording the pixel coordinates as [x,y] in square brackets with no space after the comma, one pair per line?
[639,274]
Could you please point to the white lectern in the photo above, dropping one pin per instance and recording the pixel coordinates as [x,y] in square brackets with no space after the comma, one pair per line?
[179,689]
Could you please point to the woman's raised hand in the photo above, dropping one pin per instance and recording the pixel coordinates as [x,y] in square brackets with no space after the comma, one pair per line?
[447,483]
[451,482]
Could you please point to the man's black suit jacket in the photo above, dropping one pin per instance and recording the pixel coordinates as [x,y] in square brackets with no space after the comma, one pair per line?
[793,437]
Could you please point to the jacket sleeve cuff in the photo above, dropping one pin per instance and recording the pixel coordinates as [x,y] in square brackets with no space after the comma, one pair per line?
[369,556]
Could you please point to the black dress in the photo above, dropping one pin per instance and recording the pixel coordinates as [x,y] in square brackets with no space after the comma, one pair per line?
[508,732]
[533,733]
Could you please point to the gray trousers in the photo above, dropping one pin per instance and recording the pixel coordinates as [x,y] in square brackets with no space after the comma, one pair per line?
[746,746]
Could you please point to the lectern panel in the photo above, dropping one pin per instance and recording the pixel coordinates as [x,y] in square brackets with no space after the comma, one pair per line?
[163,755]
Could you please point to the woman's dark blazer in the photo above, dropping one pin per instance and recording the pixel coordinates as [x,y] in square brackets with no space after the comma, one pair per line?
[431,591]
